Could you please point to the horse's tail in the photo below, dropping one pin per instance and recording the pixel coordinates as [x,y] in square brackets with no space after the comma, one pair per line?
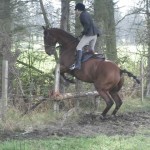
[130,75]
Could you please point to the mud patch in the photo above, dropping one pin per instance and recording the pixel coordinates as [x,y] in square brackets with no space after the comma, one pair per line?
[89,125]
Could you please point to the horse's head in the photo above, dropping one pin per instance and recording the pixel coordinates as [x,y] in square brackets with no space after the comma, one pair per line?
[49,41]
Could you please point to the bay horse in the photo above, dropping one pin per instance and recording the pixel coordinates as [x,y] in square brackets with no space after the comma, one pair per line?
[105,75]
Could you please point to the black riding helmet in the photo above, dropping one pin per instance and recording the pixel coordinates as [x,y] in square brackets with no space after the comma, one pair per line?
[80,7]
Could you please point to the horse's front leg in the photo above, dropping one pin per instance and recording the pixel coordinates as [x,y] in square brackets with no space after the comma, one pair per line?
[67,79]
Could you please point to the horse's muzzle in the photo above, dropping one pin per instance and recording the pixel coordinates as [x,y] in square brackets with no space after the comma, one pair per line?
[50,50]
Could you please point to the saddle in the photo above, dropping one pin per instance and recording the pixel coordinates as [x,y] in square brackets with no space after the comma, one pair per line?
[88,55]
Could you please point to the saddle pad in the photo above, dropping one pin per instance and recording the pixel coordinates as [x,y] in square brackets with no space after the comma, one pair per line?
[87,55]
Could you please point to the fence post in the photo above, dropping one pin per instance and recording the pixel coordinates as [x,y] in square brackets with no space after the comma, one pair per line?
[4,89]
[142,79]
[56,86]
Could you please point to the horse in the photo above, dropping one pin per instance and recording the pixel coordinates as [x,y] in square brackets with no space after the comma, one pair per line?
[106,76]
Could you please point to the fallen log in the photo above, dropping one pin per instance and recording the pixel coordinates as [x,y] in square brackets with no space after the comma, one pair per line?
[73,95]
[59,98]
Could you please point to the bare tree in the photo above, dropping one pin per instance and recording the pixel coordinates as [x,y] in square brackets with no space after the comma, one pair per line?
[44,14]
[147,4]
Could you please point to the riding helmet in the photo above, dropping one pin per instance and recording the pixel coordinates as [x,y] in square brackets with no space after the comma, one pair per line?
[80,7]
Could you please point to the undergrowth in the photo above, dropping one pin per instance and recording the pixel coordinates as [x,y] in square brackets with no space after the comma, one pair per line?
[39,119]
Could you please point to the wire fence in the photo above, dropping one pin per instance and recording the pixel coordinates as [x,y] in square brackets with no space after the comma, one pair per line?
[31,75]
[22,93]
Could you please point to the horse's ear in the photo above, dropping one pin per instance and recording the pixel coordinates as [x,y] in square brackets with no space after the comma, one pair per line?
[44,27]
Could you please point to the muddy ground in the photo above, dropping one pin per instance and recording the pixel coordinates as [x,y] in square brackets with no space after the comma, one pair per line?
[89,125]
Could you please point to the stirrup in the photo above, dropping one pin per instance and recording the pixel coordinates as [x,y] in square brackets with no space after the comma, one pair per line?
[72,67]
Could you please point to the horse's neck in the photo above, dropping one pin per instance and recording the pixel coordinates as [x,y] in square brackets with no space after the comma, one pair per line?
[67,43]
[68,48]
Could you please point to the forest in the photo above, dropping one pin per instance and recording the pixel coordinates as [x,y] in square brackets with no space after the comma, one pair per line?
[28,112]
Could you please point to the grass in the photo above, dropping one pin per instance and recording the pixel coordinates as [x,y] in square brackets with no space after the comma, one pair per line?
[129,105]
[102,142]
[15,122]
[132,105]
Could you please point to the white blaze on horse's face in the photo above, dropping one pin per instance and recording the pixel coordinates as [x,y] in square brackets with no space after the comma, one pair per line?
[49,43]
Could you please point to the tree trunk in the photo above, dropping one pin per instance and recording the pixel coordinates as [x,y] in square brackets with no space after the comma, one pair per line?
[44,14]
[99,47]
[104,15]
[64,23]
[148,44]
[5,48]
[111,50]
[5,26]
[78,30]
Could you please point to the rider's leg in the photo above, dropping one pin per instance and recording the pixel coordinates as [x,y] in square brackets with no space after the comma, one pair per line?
[93,42]
[77,64]
[78,59]
[81,44]
[85,40]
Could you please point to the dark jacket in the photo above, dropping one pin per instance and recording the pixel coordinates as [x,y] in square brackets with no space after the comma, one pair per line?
[89,27]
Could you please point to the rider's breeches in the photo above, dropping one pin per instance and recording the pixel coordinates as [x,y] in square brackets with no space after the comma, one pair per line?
[87,40]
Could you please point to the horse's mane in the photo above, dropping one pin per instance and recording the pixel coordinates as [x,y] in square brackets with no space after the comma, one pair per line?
[65,34]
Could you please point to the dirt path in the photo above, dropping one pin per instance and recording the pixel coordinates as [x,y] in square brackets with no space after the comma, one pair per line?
[89,125]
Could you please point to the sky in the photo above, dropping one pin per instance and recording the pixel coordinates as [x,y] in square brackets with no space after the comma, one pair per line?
[124,5]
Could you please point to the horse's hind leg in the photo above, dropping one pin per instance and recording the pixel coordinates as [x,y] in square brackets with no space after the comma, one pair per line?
[117,100]
[116,97]
[108,100]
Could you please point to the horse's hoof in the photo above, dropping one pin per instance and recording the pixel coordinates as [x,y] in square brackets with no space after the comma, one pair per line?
[114,117]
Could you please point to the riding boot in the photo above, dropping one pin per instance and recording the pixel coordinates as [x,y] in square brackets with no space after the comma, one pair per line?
[77,64]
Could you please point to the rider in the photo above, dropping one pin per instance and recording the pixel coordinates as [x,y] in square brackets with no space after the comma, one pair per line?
[90,33]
